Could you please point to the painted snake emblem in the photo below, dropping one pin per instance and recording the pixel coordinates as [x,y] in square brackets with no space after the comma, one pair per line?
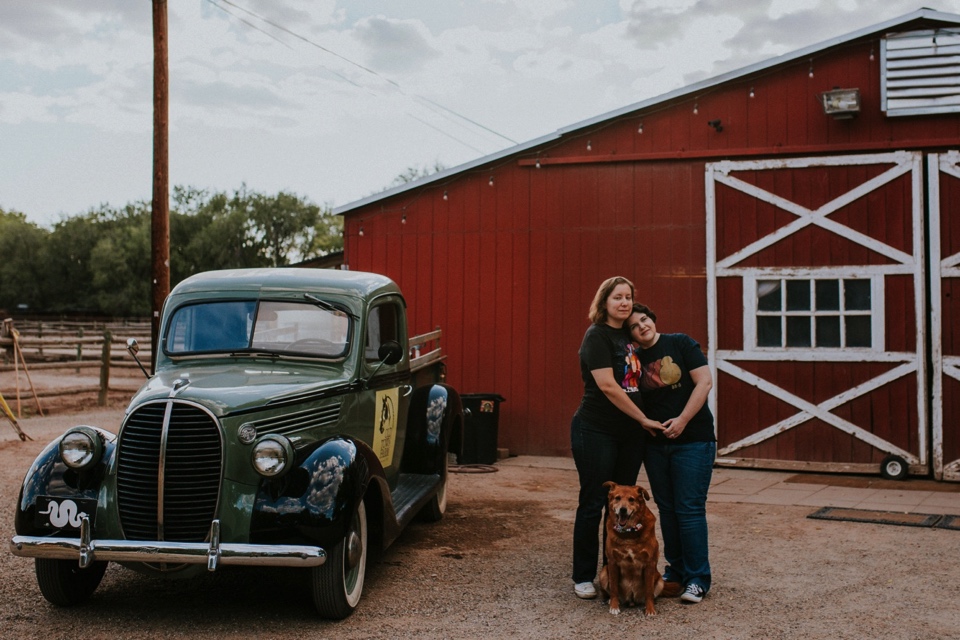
[63,514]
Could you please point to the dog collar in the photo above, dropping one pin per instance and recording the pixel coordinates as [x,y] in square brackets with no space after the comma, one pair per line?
[633,529]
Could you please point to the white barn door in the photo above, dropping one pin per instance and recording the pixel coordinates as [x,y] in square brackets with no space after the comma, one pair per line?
[760,341]
[944,190]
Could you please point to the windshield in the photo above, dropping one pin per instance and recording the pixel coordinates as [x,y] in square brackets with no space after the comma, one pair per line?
[270,326]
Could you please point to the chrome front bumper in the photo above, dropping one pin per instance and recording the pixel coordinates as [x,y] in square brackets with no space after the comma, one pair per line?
[86,550]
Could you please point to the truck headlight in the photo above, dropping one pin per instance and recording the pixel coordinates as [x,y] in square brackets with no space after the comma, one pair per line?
[272,456]
[81,448]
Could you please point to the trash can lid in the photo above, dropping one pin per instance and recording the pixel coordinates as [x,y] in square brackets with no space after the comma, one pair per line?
[483,396]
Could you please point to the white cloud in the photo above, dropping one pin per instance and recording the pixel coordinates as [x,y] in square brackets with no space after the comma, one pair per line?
[781,8]
[296,111]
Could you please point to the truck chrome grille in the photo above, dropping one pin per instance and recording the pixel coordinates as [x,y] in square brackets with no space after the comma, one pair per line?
[190,474]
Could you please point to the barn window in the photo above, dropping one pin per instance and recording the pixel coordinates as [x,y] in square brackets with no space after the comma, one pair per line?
[919,72]
[814,313]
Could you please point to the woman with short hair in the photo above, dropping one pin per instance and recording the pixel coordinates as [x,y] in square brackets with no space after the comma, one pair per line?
[675,382]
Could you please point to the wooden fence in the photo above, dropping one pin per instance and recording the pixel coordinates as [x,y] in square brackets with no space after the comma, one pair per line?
[41,348]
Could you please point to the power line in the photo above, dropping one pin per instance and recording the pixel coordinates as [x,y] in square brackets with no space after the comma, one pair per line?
[357,65]
[251,25]
[439,130]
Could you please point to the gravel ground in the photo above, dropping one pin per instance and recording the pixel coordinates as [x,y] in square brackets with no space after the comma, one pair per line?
[498,565]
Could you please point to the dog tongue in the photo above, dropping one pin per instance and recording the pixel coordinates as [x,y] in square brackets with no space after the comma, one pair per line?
[622,521]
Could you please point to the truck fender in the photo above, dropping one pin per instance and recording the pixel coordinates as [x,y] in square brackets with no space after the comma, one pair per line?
[434,426]
[49,476]
[314,502]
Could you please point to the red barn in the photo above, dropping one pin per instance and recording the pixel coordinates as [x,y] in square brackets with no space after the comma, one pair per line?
[800,218]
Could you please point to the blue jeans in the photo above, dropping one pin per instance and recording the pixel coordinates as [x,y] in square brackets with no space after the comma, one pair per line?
[600,455]
[679,476]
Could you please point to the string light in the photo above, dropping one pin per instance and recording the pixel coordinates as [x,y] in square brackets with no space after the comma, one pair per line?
[403,219]
[589,146]
[446,196]
[811,68]
[640,127]
[491,181]
[752,93]
[696,108]
[872,57]
[538,163]
[361,232]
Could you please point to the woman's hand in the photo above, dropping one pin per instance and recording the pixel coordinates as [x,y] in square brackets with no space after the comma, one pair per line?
[673,427]
[652,426]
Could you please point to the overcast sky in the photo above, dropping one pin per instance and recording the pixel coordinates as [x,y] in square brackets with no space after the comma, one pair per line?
[332,99]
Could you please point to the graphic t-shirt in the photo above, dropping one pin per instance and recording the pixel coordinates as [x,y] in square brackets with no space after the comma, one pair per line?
[604,347]
[666,385]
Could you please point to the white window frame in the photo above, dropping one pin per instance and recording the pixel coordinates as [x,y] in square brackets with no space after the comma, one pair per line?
[876,312]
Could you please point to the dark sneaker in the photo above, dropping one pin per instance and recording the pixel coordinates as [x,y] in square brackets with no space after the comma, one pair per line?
[671,589]
[693,593]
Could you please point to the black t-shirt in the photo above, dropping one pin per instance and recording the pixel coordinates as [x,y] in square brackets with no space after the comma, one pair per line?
[666,385]
[604,347]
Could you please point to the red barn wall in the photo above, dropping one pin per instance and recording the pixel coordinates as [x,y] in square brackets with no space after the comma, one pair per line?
[508,269]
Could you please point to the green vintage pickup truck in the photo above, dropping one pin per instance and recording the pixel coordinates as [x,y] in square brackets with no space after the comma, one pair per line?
[290,422]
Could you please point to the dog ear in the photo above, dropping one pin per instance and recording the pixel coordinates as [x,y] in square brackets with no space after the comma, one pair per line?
[643,492]
[609,485]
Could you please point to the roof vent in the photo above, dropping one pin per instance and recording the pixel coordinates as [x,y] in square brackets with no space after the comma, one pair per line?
[920,72]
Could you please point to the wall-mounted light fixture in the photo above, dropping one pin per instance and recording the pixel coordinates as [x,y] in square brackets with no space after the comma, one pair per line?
[716,125]
[841,103]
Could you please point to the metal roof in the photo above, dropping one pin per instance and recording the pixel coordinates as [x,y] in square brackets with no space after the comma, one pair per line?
[446,174]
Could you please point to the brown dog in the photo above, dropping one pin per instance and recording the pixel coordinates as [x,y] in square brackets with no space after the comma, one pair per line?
[630,575]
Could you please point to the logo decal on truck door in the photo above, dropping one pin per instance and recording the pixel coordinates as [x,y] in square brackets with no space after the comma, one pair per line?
[385,425]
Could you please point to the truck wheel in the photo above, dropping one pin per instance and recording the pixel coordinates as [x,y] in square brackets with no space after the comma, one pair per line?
[64,583]
[338,582]
[894,468]
[433,511]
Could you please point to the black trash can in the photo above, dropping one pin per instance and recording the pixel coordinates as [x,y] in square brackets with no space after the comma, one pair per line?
[480,424]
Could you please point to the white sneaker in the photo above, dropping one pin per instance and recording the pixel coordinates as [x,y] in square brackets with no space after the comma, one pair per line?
[585,590]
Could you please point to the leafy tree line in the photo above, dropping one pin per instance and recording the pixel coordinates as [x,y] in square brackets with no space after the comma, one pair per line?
[99,262]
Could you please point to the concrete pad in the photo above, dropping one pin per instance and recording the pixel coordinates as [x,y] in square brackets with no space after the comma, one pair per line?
[910,498]
[775,496]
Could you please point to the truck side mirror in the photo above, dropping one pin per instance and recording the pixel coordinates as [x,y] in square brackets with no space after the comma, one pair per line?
[390,352]
[134,349]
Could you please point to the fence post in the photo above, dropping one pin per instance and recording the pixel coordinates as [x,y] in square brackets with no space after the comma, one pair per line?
[105,369]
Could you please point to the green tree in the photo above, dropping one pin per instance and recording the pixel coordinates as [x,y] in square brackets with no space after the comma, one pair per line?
[283,225]
[412,174]
[67,280]
[328,234]
[207,232]
[121,262]
[99,262]
[21,265]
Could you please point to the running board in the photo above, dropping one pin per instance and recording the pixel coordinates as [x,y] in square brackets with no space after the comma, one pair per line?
[413,490]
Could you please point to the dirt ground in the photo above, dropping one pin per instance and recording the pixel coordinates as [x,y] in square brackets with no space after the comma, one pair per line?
[498,566]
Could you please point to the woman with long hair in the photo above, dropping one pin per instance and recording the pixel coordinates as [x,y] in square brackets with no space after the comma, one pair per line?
[606,433]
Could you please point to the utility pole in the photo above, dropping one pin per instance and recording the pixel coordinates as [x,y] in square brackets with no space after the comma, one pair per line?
[160,210]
